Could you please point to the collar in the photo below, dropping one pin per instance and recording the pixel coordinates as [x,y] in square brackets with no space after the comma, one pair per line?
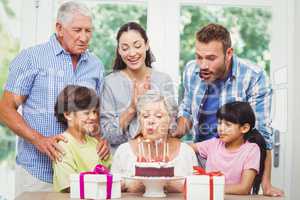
[58,49]
[234,67]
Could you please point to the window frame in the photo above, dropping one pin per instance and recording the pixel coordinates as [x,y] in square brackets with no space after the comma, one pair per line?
[163,21]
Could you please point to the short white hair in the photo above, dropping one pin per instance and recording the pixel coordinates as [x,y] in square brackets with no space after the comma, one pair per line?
[153,96]
[67,10]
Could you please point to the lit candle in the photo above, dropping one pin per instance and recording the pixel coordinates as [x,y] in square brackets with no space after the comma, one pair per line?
[164,151]
[143,150]
[167,152]
[139,152]
[149,152]
[156,149]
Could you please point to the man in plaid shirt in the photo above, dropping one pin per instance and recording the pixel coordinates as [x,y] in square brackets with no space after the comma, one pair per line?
[217,77]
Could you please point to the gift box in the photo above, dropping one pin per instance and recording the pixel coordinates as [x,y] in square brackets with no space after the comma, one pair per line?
[98,184]
[204,186]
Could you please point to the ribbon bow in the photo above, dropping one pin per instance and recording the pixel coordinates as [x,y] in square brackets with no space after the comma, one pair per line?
[200,171]
[99,169]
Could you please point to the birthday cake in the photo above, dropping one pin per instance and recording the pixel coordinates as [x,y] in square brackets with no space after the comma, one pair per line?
[154,169]
[150,163]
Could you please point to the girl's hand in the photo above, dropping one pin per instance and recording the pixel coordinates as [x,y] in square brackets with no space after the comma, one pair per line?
[269,190]
[103,149]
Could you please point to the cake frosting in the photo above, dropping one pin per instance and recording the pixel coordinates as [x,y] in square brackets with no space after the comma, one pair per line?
[154,169]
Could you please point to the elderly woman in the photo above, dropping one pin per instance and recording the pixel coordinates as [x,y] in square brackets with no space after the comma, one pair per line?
[154,113]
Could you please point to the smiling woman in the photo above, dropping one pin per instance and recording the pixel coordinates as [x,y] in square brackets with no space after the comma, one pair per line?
[132,77]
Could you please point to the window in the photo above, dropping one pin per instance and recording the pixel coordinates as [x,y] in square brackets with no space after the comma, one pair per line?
[108,17]
[249,28]
[9,47]
[169,23]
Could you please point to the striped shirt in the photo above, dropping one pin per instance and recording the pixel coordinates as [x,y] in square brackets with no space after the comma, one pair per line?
[40,73]
[247,83]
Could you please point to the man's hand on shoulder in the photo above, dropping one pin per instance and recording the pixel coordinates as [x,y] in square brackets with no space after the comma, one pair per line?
[183,126]
[50,146]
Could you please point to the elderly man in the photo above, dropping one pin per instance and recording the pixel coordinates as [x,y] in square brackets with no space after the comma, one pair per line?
[36,77]
[217,77]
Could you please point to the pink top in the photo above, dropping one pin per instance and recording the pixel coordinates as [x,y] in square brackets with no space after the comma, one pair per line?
[230,163]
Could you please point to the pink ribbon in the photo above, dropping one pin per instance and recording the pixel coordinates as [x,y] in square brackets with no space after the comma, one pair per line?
[99,169]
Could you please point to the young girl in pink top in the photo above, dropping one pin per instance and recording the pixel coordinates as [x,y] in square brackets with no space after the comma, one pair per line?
[239,152]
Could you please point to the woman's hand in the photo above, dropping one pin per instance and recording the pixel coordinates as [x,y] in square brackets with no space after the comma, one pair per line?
[139,89]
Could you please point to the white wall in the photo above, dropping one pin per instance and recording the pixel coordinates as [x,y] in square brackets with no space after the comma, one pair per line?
[295,173]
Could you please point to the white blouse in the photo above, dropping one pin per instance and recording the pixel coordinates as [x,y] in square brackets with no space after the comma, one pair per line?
[124,161]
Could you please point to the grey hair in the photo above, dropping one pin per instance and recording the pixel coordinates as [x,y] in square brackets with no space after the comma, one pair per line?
[67,10]
[153,96]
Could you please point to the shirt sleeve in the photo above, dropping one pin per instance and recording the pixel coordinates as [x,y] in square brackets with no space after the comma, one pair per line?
[260,94]
[109,118]
[62,171]
[204,148]
[21,74]
[184,163]
[253,158]
[185,106]
[99,88]
[191,158]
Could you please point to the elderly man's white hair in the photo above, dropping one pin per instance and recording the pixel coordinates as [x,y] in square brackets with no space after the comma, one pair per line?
[67,10]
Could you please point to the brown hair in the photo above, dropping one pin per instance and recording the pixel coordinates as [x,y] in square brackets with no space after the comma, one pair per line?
[119,63]
[214,32]
[75,98]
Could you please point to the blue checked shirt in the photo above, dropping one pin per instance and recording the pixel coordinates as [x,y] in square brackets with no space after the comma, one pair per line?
[40,73]
[247,83]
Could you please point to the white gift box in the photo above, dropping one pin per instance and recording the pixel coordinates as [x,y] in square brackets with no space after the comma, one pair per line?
[198,187]
[94,186]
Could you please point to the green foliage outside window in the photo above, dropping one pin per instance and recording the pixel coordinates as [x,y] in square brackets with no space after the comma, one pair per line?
[9,47]
[108,19]
[249,27]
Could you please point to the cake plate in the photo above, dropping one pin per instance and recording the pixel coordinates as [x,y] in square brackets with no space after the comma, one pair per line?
[154,186]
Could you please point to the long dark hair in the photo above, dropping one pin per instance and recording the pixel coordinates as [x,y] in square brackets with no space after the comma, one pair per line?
[119,63]
[241,113]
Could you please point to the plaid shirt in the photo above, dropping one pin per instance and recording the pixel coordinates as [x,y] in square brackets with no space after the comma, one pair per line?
[247,83]
[40,73]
